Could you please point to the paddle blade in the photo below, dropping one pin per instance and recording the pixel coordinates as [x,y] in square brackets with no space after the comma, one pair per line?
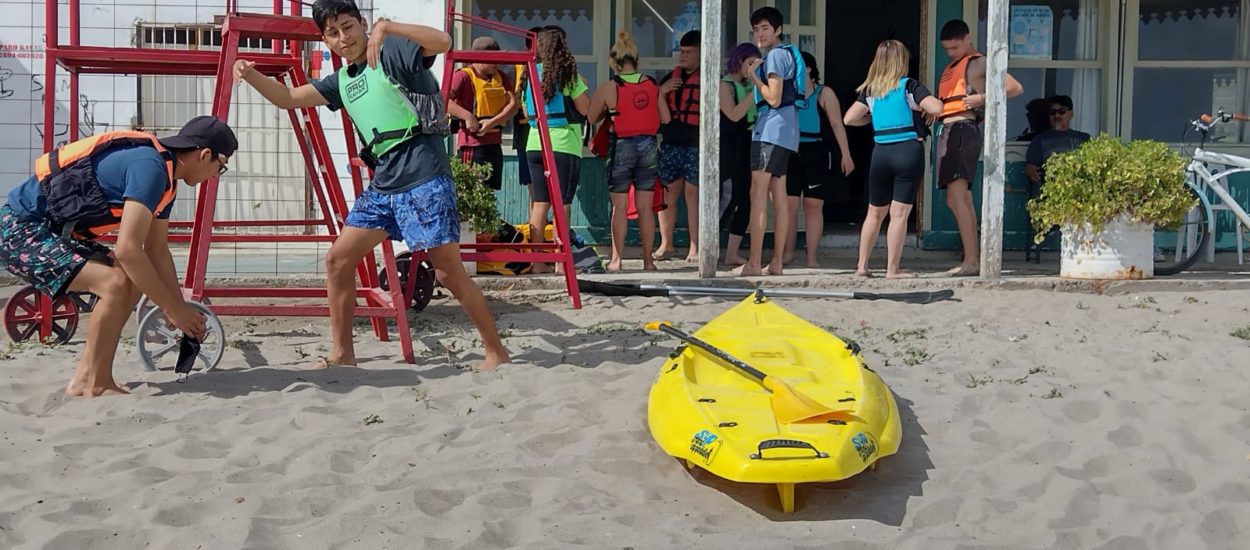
[654,326]
[791,406]
[924,297]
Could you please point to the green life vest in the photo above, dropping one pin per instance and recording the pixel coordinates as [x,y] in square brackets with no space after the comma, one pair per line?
[741,91]
[377,108]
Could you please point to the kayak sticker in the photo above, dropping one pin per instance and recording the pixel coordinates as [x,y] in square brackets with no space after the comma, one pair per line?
[705,444]
[864,445]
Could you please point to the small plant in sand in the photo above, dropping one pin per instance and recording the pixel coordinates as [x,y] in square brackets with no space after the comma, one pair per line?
[372,419]
[1241,332]
[1054,394]
[904,334]
[974,382]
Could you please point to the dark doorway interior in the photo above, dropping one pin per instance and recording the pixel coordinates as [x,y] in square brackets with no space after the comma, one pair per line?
[854,29]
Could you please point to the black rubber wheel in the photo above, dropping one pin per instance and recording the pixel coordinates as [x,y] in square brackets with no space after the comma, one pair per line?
[1169,261]
[22,316]
[85,301]
[423,292]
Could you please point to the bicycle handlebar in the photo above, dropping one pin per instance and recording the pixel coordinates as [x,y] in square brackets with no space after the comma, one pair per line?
[1221,116]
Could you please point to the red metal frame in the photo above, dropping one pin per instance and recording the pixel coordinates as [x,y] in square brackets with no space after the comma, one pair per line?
[561,250]
[288,34]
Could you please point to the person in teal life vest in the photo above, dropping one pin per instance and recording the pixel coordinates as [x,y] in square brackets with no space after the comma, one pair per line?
[632,102]
[778,93]
[396,106]
[738,112]
[679,149]
[565,102]
[809,177]
[899,109]
[122,181]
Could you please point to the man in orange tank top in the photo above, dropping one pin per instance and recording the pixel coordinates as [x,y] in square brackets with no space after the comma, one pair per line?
[960,140]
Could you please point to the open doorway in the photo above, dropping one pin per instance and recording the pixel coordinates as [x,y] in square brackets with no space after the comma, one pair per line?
[853,31]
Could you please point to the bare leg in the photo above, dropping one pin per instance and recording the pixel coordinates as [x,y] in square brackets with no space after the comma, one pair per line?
[792,207]
[759,224]
[814,217]
[341,261]
[732,245]
[620,224]
[894,240]
[94,374]
[959,199]
[668,218]
[781,225]
[692,221]
[868,237]
[538,231]
[450,272]
[646,225]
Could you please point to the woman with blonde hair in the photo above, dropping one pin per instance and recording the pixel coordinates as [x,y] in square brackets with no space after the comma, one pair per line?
[631,104]
[898,108]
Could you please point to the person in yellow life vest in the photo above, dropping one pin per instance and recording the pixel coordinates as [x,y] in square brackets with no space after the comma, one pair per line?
[482,98]
[960,139]
[122,181]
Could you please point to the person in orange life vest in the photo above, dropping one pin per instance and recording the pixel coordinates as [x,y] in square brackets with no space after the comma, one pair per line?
[962,91]
[810,174]
[632,101]
[124,181]
[389,94]
[481,97]
[679,152]
[521,123]
[738,112]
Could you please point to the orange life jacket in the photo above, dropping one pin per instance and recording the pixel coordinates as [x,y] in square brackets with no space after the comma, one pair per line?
[684,102]
[68,181]
[955,87]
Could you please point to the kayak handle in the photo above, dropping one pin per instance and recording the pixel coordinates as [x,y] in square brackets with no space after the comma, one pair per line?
[785,444]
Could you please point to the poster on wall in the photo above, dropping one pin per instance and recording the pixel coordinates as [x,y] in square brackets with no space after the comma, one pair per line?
[1031,32]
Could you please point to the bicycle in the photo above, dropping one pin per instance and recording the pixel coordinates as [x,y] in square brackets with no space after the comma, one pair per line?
[1196,231]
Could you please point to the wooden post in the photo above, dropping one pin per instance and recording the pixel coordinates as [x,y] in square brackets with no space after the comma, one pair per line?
[709,138]
[995,142]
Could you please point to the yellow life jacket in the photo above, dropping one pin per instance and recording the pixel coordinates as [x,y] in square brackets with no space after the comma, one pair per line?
[490,95]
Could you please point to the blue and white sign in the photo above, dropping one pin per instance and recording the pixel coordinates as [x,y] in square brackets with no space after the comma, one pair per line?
[1032,32]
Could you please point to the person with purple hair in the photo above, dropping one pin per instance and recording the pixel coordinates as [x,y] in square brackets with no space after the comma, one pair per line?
[738,113]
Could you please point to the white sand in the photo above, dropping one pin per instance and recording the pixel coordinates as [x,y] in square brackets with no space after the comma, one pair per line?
[1033,420]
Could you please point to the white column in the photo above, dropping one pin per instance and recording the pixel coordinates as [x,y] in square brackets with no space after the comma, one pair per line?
[995,141]
[709,138]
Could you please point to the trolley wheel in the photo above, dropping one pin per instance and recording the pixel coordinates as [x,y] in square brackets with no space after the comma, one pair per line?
[423,292]
[85,301]
[141,310]
[22,317]
[159,341]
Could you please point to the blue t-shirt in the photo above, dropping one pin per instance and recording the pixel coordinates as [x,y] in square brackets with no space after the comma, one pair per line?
[778,126]
[422,157]
[128,172]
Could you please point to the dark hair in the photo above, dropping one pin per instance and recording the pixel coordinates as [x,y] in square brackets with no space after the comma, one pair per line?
[1037,113]
[323,10]
[559,66]
[810,61]
[691,39]
[529,43]
[739,55]
[955,29]
[767,13]
[1062,100]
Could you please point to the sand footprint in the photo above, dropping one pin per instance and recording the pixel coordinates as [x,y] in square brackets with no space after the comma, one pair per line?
[1082,411]
[437,502]
[1124,436]
[1173,481]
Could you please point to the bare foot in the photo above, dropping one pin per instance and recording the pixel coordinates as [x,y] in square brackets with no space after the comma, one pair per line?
[76,389]
[692,257]
[813,264]
[540,268]
[492,361]
[863,273]
[661,253]
[963,270]
[614,265]
[747,270]
[900,275]
[735,260]
[323,363]
[648,265]
[774,268]
[785,260]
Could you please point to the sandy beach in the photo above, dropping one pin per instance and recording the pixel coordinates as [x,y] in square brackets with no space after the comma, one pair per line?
[1031,419]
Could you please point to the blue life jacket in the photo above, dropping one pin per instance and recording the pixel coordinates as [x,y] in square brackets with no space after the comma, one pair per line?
[793,90]
[559,109]
[893,119]
[809,118]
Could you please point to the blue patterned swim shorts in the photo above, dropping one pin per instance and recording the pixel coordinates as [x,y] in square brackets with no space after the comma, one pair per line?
[424,217]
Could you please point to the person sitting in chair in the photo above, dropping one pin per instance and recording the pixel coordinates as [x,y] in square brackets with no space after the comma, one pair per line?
[1060,138]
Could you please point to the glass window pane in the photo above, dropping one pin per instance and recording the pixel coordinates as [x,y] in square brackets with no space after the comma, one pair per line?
[651,22]
[807,12]
[590,72]
[1204,30]
[575,16]
[1048,29]
[1164,100]
[1084,86]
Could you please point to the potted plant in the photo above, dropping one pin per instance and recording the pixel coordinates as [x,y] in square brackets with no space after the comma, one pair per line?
[479,215]
[1107,197]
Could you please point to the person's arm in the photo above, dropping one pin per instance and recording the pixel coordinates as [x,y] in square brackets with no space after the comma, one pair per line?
[499,120]
[582,101]
[858,114]
[833,111]
[1033,173]
[1033,161]
[137,221]
[732,111]
[977,76]
[276,92]
[157,249]
[470,120]
[599,105]
[771,90]
[431,40]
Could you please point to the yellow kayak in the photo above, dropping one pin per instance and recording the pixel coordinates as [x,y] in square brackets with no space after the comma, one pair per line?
[717,418]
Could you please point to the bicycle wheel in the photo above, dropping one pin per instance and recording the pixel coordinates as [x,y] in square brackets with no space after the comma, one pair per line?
[1176,249]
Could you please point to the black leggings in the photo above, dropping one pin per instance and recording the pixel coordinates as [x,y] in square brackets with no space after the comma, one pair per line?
[896,171]
[735,168]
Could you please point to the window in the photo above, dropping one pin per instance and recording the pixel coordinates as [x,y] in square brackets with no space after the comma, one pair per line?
[1054,48]
[1184,58]
[583,20]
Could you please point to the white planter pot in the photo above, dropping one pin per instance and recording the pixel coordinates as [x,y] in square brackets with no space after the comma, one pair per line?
[1122,250]
[467,236]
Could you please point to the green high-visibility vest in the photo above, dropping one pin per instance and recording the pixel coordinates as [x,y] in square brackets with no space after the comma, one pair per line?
[381,114]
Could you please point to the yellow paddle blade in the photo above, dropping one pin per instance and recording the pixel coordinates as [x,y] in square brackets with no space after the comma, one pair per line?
[791,406]
[655,325]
